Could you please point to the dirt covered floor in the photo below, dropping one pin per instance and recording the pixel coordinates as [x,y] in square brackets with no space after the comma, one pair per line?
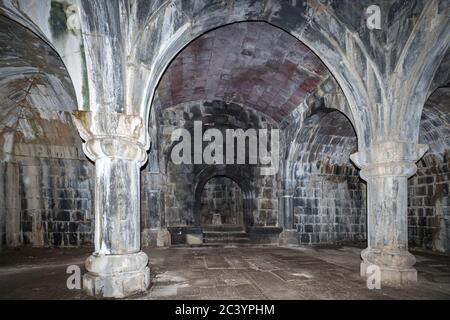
[226,273]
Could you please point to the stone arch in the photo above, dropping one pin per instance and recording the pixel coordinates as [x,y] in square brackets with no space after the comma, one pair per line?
[428,74]
[36,131]
[320,107]
[221,195]
[232,173]
[37,91]
[435,126]
[26,22]
[66,44]
[429,224]
[306,21]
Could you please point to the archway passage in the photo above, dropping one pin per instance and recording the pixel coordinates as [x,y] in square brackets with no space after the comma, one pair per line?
[233,77]
[221,203]
[327,200]
[222,213]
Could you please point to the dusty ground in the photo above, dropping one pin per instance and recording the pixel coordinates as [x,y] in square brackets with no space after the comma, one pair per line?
[226,273]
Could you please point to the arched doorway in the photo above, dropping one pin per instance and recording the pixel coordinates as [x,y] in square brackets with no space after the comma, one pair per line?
[240,182]
[221,203]
[221,212]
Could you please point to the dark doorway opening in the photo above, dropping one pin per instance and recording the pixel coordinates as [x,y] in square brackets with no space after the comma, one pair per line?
[221,203]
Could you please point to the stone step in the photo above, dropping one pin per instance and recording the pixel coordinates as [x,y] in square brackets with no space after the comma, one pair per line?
[223,234]
[227,240]
[222,244]
[223,228]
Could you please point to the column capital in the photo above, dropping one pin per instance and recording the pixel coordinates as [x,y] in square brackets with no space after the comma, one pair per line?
[111,135]
[389,158]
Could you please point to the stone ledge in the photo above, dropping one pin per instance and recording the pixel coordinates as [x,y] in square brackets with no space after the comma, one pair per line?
[264,235]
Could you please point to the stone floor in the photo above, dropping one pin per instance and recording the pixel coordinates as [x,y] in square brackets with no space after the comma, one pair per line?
[226,273]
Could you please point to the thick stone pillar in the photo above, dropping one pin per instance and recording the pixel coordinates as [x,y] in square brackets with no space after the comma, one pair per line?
[386,168]
[117,268]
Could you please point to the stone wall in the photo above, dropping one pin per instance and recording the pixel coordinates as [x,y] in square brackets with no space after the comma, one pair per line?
[429,206]
[428,190]
[221,196]
[184,182]
[48,199]
[46,181]
[329,206]
[329,197]
[47,190]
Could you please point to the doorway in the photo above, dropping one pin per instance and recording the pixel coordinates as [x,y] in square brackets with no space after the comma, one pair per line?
[221,203]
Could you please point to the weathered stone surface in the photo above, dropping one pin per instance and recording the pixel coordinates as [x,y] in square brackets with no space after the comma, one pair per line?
[324,272]
[323,196]
[116,276]
[342,89]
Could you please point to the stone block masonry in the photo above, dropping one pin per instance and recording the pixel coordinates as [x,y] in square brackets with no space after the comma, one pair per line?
[239,75]
[429,206]
[328,196]
[330,208]
[54,201]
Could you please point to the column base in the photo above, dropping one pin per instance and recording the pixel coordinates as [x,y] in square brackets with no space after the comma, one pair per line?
[116,276]
[395,266]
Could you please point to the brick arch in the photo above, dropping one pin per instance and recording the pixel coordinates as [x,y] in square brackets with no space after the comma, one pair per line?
[320,117]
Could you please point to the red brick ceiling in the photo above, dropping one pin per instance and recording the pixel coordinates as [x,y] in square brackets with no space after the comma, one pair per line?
[253,64]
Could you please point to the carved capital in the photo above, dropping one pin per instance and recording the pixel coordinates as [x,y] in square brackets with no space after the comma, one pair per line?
[389,169]
[111,135]
[389,158]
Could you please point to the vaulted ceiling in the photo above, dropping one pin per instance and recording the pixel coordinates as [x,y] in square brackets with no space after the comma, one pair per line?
[252,63]
[36,92]
[26,59]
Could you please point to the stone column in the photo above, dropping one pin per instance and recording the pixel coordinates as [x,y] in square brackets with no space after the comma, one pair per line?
[386,168]
[289,235]
[117,268]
